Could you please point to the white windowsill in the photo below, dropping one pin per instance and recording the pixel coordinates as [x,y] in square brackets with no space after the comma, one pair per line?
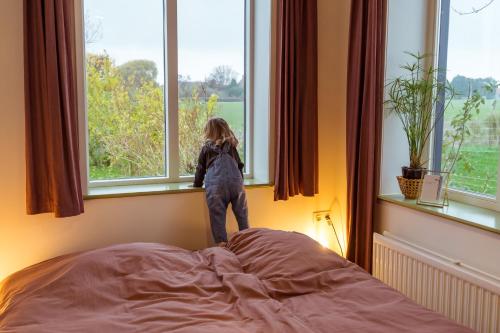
[155,189]
[474,216]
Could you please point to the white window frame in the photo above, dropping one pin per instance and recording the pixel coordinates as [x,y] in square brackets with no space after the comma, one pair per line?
[475,199]
[171,100]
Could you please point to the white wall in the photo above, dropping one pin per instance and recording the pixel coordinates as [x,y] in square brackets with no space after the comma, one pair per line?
[179,219]
[470,245]
[411,28]
[409,25]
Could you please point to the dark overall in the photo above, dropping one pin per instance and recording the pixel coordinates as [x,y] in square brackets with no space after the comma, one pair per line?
[224,185]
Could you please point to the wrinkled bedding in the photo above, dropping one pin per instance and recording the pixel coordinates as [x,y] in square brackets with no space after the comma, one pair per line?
[263,281]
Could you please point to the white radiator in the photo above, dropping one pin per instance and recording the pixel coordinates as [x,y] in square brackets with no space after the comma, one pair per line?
[461,293]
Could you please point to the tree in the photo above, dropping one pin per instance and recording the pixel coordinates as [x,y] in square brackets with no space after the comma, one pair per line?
[93,28]
[138,72]
[235,89]
[462,85]
[126,131]
[473,10]
[125,112]
[221,77]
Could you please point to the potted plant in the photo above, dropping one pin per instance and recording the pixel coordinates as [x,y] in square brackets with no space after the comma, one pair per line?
[412,97]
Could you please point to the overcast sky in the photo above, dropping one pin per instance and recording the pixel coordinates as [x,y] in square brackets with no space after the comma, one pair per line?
[474,40]
[210,33]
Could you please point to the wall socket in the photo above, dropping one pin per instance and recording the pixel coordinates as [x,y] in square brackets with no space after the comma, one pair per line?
[320,215]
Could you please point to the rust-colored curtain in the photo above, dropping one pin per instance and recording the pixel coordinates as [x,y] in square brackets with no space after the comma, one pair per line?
[296,169]
[52,163]
[365,88]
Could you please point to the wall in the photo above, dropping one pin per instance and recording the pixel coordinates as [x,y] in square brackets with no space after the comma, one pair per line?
[411,27]
[179,219]
[413,16]
[473,246]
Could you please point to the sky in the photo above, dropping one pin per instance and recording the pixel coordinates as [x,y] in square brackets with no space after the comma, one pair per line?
[474,40]
[210,33]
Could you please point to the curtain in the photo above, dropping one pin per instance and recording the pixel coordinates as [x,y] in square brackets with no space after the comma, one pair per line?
[296,168]
[52,152]
[365,89]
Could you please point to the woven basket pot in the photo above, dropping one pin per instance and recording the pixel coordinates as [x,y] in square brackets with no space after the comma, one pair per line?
[409,187]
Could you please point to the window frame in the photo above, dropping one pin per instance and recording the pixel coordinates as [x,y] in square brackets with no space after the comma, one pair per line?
[171,100]
[441,45]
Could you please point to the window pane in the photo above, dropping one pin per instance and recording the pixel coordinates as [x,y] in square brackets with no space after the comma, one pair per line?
[125,88]
[473,63]
[211,39]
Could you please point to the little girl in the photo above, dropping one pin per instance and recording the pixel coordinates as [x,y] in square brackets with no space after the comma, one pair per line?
[220,165]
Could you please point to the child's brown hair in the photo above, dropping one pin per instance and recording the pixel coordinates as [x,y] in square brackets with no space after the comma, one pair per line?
[217,131]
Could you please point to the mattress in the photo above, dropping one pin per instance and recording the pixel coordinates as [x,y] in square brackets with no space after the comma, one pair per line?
[262,281]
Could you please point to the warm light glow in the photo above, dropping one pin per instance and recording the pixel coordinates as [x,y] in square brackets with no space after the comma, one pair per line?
[323,233]
[319,235]
[323,240]
[311,232]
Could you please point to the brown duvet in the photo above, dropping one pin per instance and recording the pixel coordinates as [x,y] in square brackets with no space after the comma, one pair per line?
[264,281]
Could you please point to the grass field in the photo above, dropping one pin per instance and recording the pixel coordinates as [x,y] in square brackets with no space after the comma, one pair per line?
[483,177]
[233,113]
[483,157]
[485,111]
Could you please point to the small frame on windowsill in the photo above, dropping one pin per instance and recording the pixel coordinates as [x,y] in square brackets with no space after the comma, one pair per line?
[434,189]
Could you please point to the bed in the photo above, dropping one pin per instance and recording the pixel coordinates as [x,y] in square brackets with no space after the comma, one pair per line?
[263,281]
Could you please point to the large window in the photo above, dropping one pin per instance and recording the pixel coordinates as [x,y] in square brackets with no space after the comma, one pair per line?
[155,72]
[468,50]
[211,48]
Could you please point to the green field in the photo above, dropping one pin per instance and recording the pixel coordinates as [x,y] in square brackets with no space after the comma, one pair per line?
[479,150]
[483,177]
[233,113]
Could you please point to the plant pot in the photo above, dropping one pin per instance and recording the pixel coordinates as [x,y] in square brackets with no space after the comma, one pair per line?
[410,188]
[413,173]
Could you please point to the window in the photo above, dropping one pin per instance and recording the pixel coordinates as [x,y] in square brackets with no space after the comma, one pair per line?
[469,52]
[211,49]
[155,72]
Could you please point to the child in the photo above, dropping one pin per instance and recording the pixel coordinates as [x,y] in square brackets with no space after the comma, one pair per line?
[220,165]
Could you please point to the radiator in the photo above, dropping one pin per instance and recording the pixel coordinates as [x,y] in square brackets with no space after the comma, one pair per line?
[459,292]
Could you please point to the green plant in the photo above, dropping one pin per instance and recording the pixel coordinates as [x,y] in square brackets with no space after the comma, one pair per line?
[194,112]
[126,130]
[126,119]
[460,129]
[412,97]
[454,137]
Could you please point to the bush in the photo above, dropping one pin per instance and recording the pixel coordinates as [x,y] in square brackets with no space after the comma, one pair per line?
[126,131]
[126,120]
[193,115]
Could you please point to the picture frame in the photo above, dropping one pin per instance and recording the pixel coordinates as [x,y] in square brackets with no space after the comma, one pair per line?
[433,190]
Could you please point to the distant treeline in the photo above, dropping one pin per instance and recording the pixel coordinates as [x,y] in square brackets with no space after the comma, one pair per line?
[463,86]
[232,92]
[223,81]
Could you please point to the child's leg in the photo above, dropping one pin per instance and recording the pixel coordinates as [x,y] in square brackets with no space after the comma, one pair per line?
[217,207]
[239,206]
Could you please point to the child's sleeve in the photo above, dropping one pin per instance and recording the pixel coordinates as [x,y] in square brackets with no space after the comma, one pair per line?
[200,169]
[236,156]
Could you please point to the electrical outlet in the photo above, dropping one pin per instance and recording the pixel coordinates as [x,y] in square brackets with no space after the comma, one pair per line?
[321,215]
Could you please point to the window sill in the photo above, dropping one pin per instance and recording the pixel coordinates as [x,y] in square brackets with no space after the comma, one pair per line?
[155,189]
[474,216]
